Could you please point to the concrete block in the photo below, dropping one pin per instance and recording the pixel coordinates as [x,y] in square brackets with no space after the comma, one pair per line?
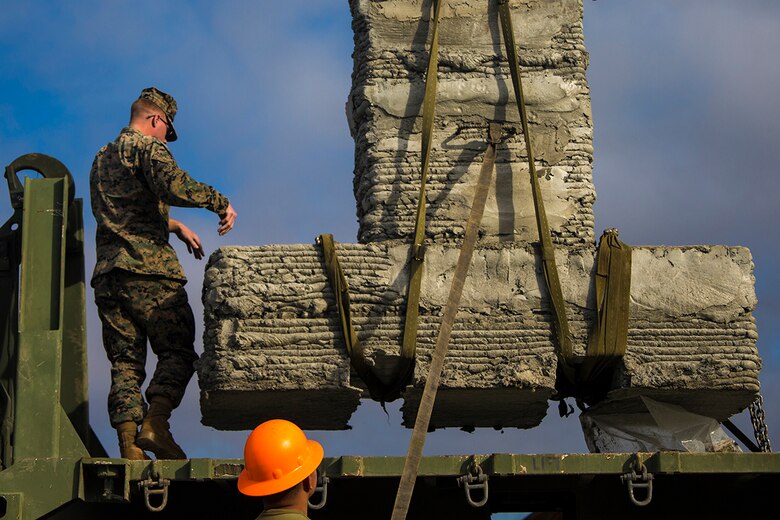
[474,88]
[272,335]
[692,336]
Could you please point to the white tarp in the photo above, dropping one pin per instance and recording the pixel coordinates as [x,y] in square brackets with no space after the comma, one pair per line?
[664,427]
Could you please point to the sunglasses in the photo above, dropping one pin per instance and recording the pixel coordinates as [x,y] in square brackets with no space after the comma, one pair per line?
[169,133]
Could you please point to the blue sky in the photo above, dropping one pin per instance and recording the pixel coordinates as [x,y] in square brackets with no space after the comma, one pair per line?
[685,107]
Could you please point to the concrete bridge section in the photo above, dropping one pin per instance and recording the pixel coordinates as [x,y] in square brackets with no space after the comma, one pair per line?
[392,44]
[273,345]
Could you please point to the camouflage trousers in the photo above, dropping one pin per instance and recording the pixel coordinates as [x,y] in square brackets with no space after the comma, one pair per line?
[133,308]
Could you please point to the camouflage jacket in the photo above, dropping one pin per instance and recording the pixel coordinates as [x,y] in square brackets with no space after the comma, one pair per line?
[133,182]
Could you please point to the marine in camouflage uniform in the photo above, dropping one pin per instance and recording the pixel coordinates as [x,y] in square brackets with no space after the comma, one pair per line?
[138,280]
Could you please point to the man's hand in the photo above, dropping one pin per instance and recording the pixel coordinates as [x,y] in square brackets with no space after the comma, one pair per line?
[227,220]
[188,236]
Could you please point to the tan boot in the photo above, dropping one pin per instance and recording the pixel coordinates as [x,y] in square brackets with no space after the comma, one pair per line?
[155,433]
[128,449]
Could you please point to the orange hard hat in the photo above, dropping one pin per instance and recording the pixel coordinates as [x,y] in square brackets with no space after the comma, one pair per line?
[277,456]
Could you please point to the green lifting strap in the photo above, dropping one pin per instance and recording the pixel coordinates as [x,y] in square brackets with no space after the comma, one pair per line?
[564,352]
[609,336]
[417,253]
[379,390]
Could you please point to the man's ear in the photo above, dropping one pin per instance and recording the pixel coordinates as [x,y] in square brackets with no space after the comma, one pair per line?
[310,483]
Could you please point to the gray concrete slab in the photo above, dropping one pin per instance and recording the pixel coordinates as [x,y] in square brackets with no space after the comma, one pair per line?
[272,327]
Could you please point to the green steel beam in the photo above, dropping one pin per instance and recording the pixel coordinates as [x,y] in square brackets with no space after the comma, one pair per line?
[11,237]
[37,422]
[577,464]
[579,485]
[74,374]
[73,380]
[38,486]
[562,464]
[10,251]
[49,370]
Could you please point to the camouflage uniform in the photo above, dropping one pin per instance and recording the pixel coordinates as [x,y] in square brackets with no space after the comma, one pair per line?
[138,281]
[134,307]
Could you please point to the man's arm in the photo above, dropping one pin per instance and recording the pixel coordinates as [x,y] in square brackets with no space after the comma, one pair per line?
[176,188]
[188,236]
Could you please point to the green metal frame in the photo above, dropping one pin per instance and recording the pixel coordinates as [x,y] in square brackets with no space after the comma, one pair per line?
[10,253]
[578,485]
[498,464]
[687,485]
[44,370]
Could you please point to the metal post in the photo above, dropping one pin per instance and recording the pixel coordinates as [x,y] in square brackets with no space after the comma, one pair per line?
[38,407]
[10,249]
[48,373]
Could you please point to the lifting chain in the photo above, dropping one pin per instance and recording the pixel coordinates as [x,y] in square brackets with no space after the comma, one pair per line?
[758,419]
[475,479]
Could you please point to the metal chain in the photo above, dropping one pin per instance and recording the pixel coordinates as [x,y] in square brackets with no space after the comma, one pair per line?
[758,419]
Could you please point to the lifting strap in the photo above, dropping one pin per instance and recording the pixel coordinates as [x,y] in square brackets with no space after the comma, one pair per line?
[421,422]
[561,323]
[609,336]
[379,390]
[417,253]
[608,332]
[608,339]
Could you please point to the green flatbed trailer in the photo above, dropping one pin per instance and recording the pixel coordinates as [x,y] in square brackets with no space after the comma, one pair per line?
[53,466]
[684,485]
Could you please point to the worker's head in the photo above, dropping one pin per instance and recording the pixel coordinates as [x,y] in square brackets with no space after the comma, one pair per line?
[153,112]
[280,463]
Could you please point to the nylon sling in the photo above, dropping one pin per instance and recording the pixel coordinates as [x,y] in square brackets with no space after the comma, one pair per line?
[561,323]
[422,420]
[606,335]
[418,247]
[379,390]
[609,336]
[608,339]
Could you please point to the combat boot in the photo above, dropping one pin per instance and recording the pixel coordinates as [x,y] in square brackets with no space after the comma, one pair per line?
[128,449]
[155,433]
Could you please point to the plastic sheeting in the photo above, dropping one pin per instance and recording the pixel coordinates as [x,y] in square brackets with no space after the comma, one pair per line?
[664,427]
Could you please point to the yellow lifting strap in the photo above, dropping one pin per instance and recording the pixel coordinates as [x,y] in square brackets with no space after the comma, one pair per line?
[561,323]
[608,339]
[417,253]
[379,390]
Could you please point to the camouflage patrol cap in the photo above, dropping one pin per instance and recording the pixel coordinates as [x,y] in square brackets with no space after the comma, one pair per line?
[167,104]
